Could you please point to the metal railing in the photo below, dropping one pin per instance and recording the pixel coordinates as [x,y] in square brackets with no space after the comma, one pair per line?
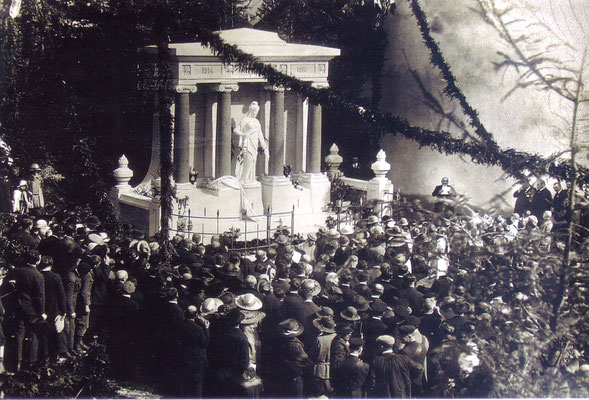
[185,224]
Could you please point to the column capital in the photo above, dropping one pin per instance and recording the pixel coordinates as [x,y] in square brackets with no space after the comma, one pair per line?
[274,88]
[227,87]
[320,85]
[185,88]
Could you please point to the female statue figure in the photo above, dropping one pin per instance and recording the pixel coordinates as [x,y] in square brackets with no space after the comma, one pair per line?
[250,135]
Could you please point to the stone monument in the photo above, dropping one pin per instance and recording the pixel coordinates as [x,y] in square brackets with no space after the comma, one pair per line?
[251,137]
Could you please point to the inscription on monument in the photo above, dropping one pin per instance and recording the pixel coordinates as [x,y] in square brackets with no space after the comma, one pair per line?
[136,216]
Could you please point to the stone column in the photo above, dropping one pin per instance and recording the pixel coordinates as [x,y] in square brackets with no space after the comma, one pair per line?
[224,129]
[209,136]
[299,167]
[182,138]
[277,191]
[314,139]
[317,183]
[277,133]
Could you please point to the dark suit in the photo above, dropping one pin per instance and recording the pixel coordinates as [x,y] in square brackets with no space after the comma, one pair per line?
[350,378]
[228,354]
[30,297]
[372,329]
[541,202]
[51,342]
[391,376]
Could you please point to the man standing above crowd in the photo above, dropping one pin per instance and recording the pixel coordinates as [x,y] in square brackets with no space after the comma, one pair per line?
[444,191]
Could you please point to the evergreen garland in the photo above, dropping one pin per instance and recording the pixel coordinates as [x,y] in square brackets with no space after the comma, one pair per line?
[512,161]
[451,90]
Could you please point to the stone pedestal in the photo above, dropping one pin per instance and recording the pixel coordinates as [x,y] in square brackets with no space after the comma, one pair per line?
[277,194]
[319,187]
[253,192]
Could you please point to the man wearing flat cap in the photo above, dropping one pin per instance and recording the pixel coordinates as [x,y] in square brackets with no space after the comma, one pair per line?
[350,379]
[392,375]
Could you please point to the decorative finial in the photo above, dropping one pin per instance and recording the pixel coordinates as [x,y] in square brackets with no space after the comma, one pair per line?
[334,149]
[123,162]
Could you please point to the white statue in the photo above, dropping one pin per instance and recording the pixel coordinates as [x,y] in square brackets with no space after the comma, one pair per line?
[250,135]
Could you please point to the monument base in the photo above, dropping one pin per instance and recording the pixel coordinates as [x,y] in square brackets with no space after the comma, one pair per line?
[279,195]
[319,188]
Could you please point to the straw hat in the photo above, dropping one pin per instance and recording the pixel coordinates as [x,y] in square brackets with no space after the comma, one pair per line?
[248,302]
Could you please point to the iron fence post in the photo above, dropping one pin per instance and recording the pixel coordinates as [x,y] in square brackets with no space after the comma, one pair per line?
[268,225]
[218,222]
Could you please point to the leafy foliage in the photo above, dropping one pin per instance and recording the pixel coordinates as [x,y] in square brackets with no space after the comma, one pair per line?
[80,377]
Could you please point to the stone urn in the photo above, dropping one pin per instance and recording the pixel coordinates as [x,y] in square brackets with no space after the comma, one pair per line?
[381,166]
[123,173]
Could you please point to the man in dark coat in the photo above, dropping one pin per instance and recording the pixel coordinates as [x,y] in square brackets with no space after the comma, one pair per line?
[188,359]
[290,360]
[542,199]
[374,328]
[349,380]
[30,295]
[23,234]
[228,354]
[391,375]
[52,343]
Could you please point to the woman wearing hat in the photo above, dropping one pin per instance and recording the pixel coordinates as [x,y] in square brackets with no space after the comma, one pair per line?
[21,198]
[320,353]
[250,307]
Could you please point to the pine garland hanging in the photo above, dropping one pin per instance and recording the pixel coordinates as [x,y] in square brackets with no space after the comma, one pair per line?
[512,161]
[451,90]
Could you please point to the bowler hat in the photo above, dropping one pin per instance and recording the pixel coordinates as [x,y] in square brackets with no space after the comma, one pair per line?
[248,302]
[350,314]
[290,328]
[412,320]
[356,342]
[325,324]
[371,220]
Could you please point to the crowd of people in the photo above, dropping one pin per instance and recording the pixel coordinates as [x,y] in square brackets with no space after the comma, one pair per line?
[375,308]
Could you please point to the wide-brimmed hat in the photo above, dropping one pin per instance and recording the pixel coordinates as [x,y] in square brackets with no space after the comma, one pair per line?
[325,312]
[346,230]
[23,183]
[312,236]
[290,328]
[312,285]
[248,302]
[230,270]
[325,324]
[210,305]
[350,314]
